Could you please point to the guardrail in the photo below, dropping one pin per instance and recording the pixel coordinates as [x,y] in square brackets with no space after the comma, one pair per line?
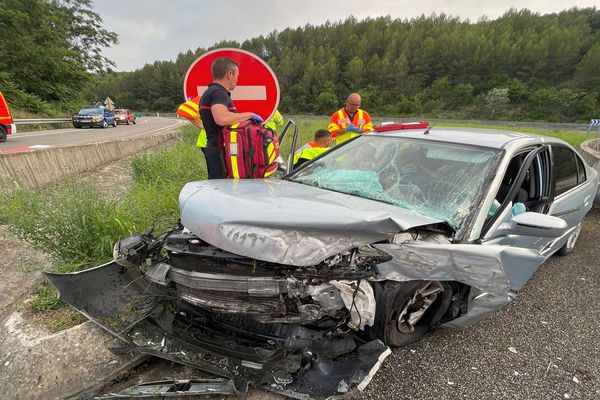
[36,121]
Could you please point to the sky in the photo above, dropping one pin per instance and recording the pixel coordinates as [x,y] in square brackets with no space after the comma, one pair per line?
[158,30]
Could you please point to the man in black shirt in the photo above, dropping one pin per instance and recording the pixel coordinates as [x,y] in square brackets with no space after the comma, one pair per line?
[217,110]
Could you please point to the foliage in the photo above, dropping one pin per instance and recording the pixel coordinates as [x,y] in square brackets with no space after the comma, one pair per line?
[496,98]
[50,49]
[435,65]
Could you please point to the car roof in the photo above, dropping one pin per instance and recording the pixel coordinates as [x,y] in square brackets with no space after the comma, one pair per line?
[498,139]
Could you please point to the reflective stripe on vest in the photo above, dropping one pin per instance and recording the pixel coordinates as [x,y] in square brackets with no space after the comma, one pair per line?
[189,110]
[233,150]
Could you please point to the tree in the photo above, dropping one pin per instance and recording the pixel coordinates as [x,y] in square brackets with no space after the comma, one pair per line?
[496,98]
[50,47]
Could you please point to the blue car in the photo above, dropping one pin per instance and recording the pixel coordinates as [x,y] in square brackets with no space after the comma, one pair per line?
[99,117]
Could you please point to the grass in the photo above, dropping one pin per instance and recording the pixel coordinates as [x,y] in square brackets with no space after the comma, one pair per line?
[77,225]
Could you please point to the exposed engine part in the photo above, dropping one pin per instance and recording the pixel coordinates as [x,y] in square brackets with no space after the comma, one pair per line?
[359,300]
[133,250]
[419,235]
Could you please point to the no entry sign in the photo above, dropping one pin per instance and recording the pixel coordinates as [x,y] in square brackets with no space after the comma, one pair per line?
[257,89]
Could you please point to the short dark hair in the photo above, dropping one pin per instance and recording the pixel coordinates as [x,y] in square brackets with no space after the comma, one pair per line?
[221,66]
[321,134]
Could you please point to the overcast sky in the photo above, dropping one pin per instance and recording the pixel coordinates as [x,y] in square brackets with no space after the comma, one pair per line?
[158,30]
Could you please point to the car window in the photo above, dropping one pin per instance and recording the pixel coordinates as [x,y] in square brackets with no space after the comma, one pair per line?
[91,111]
[437,180]
[581,177]
[565,169]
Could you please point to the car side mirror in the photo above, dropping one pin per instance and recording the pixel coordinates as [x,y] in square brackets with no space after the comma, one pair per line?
[536,224]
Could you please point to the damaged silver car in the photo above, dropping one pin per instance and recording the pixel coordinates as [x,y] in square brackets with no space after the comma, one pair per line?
[299,285]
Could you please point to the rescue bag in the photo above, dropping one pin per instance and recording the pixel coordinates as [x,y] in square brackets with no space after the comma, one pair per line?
[250,150]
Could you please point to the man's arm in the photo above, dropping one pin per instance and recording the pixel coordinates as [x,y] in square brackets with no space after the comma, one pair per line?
[224,117]
[333,126]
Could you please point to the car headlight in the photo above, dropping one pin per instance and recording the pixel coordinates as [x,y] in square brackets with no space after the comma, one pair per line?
[97,118]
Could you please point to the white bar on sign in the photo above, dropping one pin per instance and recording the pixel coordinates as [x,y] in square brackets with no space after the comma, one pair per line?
[242,92]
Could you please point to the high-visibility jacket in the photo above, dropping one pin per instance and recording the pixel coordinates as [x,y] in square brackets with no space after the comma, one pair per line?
[309,151]
[340,121]
[189,110]
[275,121]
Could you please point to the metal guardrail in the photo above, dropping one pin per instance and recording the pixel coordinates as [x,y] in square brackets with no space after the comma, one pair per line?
[37,121]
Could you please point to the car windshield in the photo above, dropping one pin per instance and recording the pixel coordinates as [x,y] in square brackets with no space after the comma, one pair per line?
[91,111]
[438,180]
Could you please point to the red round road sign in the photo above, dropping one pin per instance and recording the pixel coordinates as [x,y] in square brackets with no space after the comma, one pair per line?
[257,89]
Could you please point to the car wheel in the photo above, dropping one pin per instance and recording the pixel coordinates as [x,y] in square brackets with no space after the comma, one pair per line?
[571,241]
[408,311]
[134,122]
[3,134]
[114,123]
[104,124]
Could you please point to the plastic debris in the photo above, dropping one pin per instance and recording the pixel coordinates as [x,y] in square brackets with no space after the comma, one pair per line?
[567,396]
[575,379]
[516,373]
[512,350]
[450,382]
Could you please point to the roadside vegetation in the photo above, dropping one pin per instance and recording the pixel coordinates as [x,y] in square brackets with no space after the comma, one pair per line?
[77,225]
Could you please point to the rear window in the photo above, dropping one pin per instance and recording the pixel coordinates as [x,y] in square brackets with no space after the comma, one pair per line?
[566,174]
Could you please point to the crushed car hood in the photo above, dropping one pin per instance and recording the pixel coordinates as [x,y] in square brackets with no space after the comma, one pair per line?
[286,222]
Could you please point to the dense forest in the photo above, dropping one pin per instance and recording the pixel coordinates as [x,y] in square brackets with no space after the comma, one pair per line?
[522,65]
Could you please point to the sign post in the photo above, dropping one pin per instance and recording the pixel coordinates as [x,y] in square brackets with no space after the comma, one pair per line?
[257,89]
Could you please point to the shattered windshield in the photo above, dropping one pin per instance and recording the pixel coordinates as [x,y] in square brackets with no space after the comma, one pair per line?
[438,180]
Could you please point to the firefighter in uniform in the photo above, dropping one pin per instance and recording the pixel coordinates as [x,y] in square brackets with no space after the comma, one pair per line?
[312,149]
[349,121]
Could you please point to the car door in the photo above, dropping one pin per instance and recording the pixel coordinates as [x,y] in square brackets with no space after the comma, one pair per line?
[573,192]
[531,185]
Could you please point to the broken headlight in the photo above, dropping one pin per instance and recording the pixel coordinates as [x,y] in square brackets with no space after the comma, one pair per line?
[133,250]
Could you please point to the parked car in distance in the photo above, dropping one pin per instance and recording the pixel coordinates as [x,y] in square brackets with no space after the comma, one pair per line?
[124,116]
[7,124]
[93,116]
[298,285]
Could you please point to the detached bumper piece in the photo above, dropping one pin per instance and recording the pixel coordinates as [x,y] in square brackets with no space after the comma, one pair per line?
[289,359]
[188,387]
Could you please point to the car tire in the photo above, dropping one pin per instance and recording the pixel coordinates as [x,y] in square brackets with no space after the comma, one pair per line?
[104,124]
[134,122]
[569,246]
[398,301]
[3,134]
[114,124]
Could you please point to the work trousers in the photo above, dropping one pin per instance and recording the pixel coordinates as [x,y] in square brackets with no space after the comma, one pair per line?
[214,162]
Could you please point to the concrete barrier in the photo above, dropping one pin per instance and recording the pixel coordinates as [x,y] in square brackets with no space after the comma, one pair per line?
[37,168]
[590,151]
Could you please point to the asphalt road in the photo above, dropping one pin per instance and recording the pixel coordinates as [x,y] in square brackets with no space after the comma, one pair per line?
[72,136]
[543,345]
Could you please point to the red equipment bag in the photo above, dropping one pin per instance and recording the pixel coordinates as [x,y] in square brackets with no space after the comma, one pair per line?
[250,150]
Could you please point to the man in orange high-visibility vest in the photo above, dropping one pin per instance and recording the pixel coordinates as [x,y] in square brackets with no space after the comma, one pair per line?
[349,121]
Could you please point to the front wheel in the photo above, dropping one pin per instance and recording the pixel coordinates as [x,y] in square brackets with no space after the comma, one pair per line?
[408,311]
[114,123]
[571,241]
[3,134]
[104,124]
